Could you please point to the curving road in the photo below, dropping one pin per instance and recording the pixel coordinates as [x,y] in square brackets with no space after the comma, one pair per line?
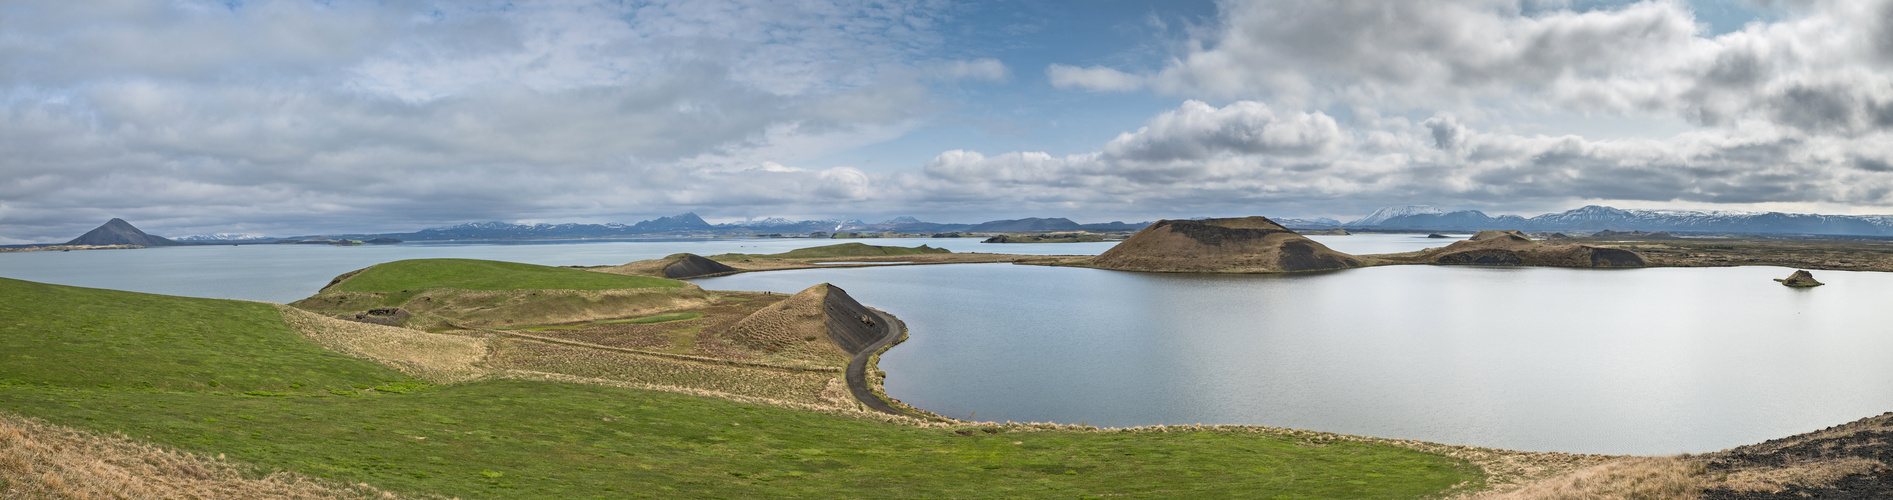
[857,373]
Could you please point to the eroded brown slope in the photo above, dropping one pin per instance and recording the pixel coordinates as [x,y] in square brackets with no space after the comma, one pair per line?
[1234,245]
[1510,248]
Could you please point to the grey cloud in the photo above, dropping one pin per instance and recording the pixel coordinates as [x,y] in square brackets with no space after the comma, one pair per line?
[1197,130]
[1490,168]
[1446,131]
[1872,164]
[1485,57]
[436,114]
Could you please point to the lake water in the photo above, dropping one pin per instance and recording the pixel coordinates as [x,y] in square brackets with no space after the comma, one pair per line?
[286,273]
[1644,361]
[1647,361]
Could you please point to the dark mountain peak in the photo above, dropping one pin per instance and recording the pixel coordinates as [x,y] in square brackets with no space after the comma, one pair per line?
[119,232]
[1027,224]
[902,220]
[688,220]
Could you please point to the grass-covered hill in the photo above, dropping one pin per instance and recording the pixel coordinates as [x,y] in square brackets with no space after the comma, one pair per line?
[469,274]
[438,294]
[68,337]
[144,365]
[835,251]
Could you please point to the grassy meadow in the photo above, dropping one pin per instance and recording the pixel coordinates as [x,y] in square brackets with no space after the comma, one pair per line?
[221,377]
[836,251]
[470,274]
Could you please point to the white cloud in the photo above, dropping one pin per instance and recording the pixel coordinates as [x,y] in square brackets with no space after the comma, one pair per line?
[1202,159]
[1197,131]
[1095,78]
[352,115]
[984,69]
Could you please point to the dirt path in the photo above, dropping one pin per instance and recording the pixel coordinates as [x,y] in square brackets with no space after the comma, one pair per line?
[857,374]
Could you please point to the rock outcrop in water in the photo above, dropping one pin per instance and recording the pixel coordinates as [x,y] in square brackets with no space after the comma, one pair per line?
[1512,248]
[1800,279]
[1234,245]
[119,232]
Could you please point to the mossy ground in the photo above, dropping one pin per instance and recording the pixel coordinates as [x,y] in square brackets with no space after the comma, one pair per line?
[518,439]
[835,251]
[140,364]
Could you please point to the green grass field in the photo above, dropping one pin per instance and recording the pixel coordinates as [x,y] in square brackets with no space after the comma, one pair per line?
[840,250]
[140,364]
[469,274]
[81,337]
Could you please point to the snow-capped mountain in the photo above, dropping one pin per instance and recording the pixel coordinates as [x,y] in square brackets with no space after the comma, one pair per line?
[1315,223]
[1598,218]
[1382,215]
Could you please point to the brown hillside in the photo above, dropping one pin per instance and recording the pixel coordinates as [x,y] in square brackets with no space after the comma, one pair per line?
[1236,245]
[688,265]
[42,460]
[1496,233]
[1511,248]
[820,319]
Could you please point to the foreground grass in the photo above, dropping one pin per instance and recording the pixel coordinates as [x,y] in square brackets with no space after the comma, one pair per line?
[141,365]
[469,274]
[81,337]
[519,439]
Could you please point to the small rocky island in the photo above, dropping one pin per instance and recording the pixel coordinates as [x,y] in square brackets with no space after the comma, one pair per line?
[1512,248]
[1233,245]
[1800,279]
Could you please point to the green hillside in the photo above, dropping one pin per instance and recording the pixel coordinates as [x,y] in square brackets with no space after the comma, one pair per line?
[469,274]
[82,337]
[841,250]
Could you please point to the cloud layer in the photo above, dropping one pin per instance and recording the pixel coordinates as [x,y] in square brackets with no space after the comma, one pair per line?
[1791,113]
[291,116]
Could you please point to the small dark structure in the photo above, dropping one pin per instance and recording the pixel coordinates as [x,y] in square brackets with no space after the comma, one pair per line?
[390,316]
[1800,279]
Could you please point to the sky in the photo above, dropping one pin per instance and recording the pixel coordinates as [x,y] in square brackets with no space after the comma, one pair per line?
[306,117]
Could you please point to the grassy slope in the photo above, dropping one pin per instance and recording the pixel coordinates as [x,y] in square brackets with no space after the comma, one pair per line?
[519,439]
[469,274]
[81,337]
[537,440]
[841,250]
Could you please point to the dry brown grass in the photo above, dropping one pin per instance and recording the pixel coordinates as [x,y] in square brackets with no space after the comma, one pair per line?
[1809,474]
[41,460]
[448,308]
[1636,478]
[786,385]
[433,357]
[799,319]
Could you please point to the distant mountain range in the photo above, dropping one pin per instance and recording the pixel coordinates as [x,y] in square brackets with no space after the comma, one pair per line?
[1595,218]
[1416,218]
[689,224]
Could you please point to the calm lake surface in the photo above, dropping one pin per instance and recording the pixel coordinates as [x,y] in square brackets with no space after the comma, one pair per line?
[286,273]
[1647,361]
[1644,361]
